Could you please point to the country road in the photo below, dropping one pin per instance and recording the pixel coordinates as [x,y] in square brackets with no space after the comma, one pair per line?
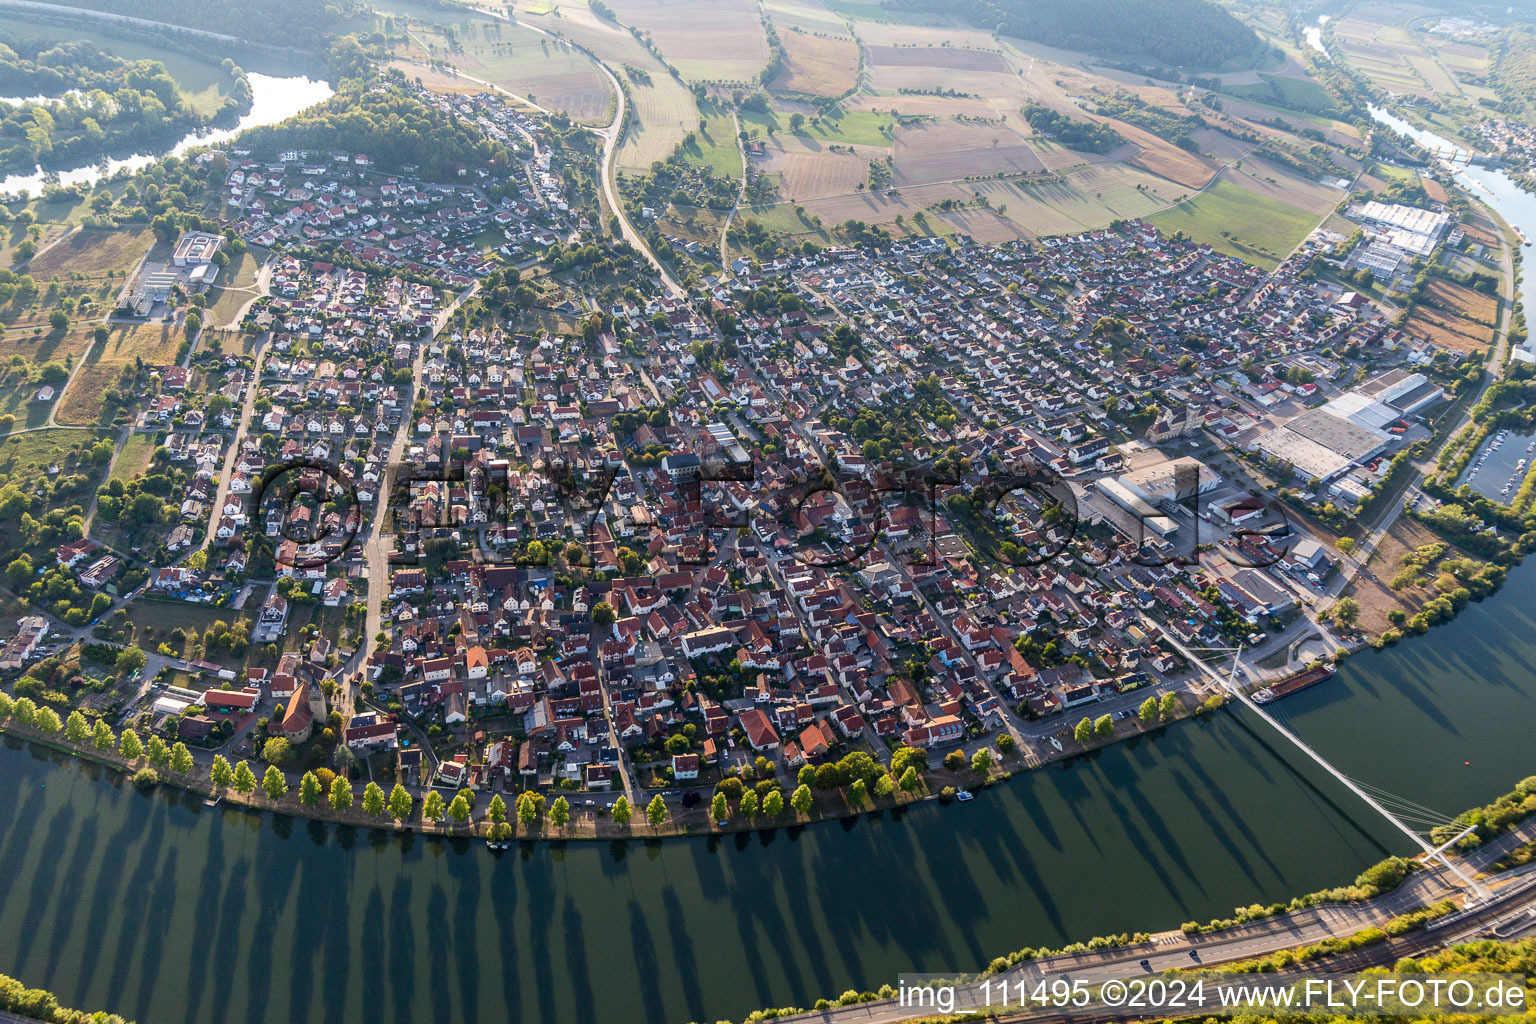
[612,136]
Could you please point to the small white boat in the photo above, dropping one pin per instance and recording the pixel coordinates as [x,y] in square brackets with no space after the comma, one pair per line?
[1055,742]
[965,795]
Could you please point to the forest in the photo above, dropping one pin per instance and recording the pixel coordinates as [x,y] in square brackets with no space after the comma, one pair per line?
[1187,33]
[107,106]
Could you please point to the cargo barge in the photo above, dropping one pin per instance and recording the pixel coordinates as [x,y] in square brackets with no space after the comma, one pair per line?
[1291,684]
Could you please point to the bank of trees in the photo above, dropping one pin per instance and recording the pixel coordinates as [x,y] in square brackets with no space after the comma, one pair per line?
[1085,136]
[389,124]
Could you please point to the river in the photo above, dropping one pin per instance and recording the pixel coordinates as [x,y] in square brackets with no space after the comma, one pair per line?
[273,99]
[153,906]
[164,910]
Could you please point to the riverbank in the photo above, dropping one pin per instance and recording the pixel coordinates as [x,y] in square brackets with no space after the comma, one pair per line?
[943,784]
[136,899]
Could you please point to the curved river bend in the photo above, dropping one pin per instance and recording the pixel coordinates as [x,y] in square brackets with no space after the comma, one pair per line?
[155,907]
[163,910]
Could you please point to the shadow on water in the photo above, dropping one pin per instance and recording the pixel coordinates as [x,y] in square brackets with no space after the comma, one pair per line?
[1184,824]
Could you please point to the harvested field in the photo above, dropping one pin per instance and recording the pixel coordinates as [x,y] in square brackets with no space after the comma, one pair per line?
[812,175]
[664,110]
[952,150]
[947,57]
[930,106]
[436,80]
[1448,332]
[1056,157]
[547,71]
[1467,303]
[810,15]
[985,226]
[715,40]
[992,85]
[817,66]
[888,28]
[91,252]
[1165,159]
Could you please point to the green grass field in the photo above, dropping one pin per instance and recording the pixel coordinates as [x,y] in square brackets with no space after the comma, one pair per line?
[716,147]
[133,460]
[31,455]
[16,400]
[1235,221]
[853,128]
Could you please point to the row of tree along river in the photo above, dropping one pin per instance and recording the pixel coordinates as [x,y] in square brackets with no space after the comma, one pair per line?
[164,910]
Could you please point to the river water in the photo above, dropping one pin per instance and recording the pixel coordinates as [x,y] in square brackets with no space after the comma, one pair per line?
[273,99]
[167,911]
[158,908]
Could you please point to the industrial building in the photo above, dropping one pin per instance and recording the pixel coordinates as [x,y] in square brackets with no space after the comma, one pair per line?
[1171,480]
[1409,228]
[1353,428]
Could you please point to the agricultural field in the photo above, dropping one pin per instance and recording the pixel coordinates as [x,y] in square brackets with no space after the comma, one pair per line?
[1454,317]
[92,254]
[713,41]
[1233,220]
[924,106]
[1390,57]
[995,85]
[954,150]
[1163,158]
[1291,93]
[664,111]
[807,15]
[942,102]
[1088,197]
[1081,200]
[448,82]
[1447,331]
[947,58]
[545,71]
[808,170]
[816,65]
